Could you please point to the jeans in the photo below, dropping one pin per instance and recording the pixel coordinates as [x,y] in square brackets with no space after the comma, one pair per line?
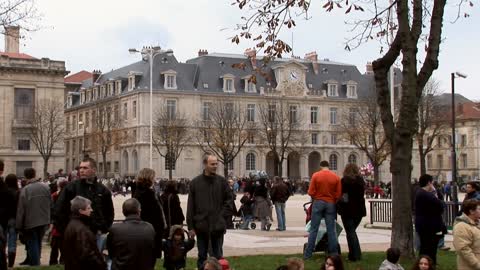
[246,222]
[280,210]
[216,239]
[320,210]
[34,238]
[350,224]
[11,236]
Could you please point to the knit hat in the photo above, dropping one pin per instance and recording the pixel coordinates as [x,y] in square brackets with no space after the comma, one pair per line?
[224,263]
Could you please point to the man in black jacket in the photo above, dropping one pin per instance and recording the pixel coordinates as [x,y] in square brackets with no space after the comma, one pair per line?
[7,211]
[89,187]
[428,217]
[131,244]
[208,199]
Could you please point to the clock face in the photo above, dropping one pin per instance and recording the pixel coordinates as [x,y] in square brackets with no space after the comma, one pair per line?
[294,75]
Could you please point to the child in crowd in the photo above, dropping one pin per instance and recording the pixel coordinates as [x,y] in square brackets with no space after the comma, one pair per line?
[246,210]
[332,262]
[176,248]
[391,263]
[295,264]
[211,263]
[424,263]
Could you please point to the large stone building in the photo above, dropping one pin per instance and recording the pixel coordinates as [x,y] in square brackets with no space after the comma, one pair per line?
[439,162]
[24,80]
[319,91]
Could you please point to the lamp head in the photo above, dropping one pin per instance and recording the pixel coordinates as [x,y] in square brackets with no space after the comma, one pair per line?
[132,50]
[461,75]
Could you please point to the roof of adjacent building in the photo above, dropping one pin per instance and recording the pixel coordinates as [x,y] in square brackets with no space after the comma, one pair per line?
[468,110]
[17,55]
[78,77]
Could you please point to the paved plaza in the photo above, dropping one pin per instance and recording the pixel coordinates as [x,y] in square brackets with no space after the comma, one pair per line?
[254,242]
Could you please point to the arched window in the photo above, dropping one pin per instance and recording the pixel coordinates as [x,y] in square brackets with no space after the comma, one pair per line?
[250,162]
[352,159]
[333,162]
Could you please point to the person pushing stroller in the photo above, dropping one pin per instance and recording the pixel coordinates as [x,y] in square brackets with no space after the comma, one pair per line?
[246,210]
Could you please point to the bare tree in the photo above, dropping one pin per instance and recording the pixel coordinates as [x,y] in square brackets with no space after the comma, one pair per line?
[107,132]
[224,131]
[21,13]
[400,26]
[362,127]
[280,129]
[47,129]
[431,121]
[170,135]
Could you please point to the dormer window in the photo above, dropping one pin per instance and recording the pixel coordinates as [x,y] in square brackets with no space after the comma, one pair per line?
[131,82]
[110,89]
[228,83]
[82,97]
[95,93]
[69,101]
[118,88]
[102,91]
[89,95]
[170,79]
[332,90]
[250,87]
[351,91]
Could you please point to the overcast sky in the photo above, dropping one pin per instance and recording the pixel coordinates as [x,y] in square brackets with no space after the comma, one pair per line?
[91,35]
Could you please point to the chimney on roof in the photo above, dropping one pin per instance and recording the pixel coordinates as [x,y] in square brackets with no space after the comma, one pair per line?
[12,39]
[313,57]
[369,68]
[202,52]
[95,75]
[252,55]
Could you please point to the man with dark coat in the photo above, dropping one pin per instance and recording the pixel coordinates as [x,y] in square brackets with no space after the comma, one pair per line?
[428,217]
[89,187]
[233,208]
[279,195]
[7,212]
[208,199]
[131,244]
[79,242]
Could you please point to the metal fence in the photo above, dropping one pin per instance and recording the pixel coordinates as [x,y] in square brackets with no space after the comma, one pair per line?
[381,211]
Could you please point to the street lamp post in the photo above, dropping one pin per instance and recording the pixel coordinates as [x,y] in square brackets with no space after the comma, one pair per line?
[454,153]
[149,52]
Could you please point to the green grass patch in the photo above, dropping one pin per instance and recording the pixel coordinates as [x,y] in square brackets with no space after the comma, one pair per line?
[370,261]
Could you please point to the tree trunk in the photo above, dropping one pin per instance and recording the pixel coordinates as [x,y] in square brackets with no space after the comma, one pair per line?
[104,160]
[225,170]
[402,227]
[376,173]
[280,168]
[423,167]
[45,167]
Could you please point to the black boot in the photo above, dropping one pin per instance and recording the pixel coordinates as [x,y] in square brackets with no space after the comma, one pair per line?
[11,259]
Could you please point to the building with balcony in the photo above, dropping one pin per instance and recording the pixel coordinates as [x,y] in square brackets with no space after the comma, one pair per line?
[24,80]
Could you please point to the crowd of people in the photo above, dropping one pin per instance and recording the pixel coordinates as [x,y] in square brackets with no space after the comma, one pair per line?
[78,213]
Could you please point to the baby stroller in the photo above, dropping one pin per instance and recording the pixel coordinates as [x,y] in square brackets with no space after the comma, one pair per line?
[322,244]
[245,215]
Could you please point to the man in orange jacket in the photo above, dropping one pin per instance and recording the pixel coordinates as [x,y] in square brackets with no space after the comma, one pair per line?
[325,189]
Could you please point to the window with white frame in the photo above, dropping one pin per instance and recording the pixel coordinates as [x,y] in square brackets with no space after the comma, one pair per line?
[110,89]
[272,113]
[352,116]
[333,116]
[250,86]
[251,112]
[171,108]
[251,137]
[332,90]
[333,139]
[314,115]
[250,162]
[74,122]
[170,81]
[293,113]
[80,121]
[230,166]
[82,97]
[206,110]
[333,160]
[118,87]
[228,83]
[315,138]
[352,159]
[131,82]
[351,91]
[102,92]
[23,144]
